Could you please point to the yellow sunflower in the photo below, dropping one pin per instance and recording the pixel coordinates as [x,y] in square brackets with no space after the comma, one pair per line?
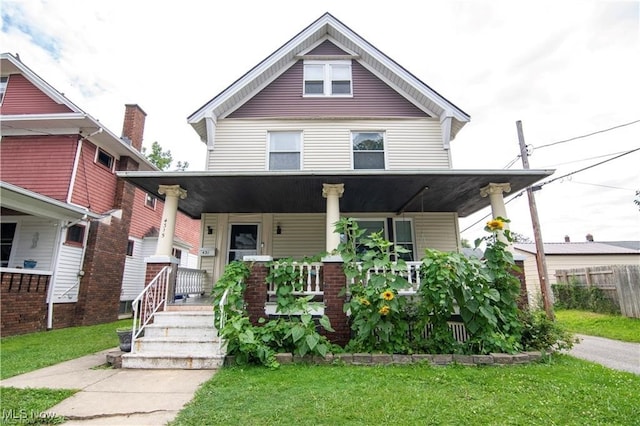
[387,295]
[364,301]
[495,224]
[384,310]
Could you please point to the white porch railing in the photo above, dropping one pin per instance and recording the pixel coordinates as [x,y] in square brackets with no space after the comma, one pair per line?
[151,300]
[190,281]
[411,274]
[309,279]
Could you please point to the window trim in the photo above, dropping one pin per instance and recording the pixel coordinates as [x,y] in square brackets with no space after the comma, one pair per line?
[131,245]
[327,78]
[300,134]
[100,163]
[16,232]
[384,146]
[4,83]
[75,243]
[413,234]
[147,197]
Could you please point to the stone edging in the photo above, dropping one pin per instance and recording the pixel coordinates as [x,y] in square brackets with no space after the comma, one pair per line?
[387,359]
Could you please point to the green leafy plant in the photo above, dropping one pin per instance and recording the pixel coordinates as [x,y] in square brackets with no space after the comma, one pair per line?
[539,333]
[588,298]
[376,275]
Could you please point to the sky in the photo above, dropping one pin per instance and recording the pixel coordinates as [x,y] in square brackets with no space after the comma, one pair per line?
[563,68]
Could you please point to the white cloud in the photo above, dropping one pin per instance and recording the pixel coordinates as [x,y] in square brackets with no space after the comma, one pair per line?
[564,68]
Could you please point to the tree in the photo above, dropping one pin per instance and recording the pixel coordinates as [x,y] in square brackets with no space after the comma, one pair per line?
[163,159]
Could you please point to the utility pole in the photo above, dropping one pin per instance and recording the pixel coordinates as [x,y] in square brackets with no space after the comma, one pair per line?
[541,261]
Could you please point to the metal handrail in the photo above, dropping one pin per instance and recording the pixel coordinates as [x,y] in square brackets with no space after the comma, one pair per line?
[77,284]
[149,301]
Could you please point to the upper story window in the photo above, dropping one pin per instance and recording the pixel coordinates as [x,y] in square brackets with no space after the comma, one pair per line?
[75,235]
[285,150]
[368,150]
[327,78]
[150,201]
[3,87]
[104,158]
[130,247]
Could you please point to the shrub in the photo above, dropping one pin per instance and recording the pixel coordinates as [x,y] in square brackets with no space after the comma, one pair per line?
[539,333]
[587,298]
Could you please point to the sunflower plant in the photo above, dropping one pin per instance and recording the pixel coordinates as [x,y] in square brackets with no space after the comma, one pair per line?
[374,271]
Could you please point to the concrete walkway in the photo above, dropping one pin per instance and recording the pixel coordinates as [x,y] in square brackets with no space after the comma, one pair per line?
[610,353]
[114,396]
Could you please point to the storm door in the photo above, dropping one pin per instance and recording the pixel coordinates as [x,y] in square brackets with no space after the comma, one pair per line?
[243,241]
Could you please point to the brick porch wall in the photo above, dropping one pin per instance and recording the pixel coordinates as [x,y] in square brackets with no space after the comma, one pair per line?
[23,303]
[334,282]
[255,294]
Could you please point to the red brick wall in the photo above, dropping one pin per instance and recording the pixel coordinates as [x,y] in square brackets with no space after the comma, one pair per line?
[523,300]
[133,125]
[255,294]
[64,315]
[23,303]
[100,287]
[334,282]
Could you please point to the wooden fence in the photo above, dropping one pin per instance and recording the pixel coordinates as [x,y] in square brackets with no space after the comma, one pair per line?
[621,283]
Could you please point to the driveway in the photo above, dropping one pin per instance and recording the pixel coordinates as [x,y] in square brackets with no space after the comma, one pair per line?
[610,353]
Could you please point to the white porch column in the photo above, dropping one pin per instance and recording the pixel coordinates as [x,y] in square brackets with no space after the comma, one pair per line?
[332,192]
[169,213]
[498,209]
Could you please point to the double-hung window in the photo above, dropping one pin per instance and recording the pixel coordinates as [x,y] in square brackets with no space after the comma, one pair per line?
[285,150]
[327,78]
[3,87]
[403,237]
[368,150]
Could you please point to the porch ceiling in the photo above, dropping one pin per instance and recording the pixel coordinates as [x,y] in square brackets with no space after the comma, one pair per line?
[277,192]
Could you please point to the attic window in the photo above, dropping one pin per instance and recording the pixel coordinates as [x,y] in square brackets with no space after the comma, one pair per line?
[104,158]
[327,78]
[3,87]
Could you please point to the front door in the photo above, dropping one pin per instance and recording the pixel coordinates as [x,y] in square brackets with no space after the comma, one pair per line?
[243,241]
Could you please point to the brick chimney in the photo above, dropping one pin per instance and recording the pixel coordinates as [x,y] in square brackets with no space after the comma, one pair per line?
[567,239]
[133,125]
[589,237]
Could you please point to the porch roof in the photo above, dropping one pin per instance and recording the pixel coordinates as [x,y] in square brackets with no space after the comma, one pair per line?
[446,190]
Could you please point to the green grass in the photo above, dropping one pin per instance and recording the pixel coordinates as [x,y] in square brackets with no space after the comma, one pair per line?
[29,406]
[603,325]
[28,352]
[564,391]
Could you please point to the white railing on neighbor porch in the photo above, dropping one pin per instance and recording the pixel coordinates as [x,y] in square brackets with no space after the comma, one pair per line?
[151,300]
[190,281]
[309,281]
[411,273]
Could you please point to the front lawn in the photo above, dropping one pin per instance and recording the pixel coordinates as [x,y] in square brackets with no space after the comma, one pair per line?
[565,391]
[28,352]
[614,327]
[29,406]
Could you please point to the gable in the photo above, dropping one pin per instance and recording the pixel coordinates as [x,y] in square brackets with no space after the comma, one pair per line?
[327,48]
[371,98]
[23,97]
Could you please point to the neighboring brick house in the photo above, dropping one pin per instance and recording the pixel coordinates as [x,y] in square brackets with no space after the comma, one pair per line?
[64,208]
[329,126]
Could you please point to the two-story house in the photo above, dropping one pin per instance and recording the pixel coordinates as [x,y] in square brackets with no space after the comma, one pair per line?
[329,126]
[74,237]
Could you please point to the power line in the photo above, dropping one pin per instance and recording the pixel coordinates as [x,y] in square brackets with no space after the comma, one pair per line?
[550,181]
[584,159]
[602,186]
[587,135]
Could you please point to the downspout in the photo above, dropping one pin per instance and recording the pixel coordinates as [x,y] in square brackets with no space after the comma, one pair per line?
[76,163]
[56,259]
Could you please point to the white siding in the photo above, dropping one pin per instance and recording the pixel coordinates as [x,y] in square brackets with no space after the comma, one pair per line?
[134,272]
[34,238]
[435,230]
[555,262]
[241,145]
[208,263]
[302,235]
[65,285]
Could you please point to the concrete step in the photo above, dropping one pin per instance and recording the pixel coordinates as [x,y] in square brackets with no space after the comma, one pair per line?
[154,360]
[184,318]
[158,331]
[178,345]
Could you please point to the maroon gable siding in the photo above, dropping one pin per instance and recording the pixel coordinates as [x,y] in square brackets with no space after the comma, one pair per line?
[95,185]
[22,97]
[327,48]
[39,164]
[371,98]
